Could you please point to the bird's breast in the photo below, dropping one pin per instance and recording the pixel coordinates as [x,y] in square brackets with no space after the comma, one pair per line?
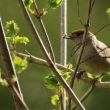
[91,61]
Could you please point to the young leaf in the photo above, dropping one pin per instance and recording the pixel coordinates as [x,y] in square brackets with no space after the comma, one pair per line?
[18,39]
[28,4]
[91,76]
[51,82]
[55,100]
[54,3]
[3,82]
[21,39]
[20,64]
[66,75]
[11,28]
[108,11]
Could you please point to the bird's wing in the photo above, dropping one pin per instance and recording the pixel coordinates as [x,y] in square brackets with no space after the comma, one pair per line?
[102,49]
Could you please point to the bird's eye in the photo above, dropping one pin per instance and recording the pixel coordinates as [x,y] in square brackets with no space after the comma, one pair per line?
[79,33]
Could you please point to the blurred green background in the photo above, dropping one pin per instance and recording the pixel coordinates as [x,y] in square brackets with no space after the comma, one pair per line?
[35,94]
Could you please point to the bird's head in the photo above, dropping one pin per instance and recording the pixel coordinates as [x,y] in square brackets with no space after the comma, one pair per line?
[77,36]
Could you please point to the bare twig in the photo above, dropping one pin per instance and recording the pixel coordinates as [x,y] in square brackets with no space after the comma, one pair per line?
[102,28]
[63,45]
[79,12]
[19,102]
[51,63]
[43,62]
[83,40]
[38,16]
[90,3]
[88,92]
[19,97]
[33,59]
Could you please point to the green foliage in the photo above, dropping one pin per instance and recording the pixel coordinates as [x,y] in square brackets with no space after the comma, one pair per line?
[13,38]
[55,100]
[28,4]
[6,82]
[108,12]
[70,66]
[51,82]
[20,64]
[91,76]
[11,28]
[3,82]
[66,75]
[18,39]
[54,3]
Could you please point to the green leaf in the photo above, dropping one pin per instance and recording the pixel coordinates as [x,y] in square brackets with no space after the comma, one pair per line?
[66,75]
[70,66]
[18,39]
[55,100]
[21,39]
[54,3]
[11,28]
[92,76]
[20,63]
[51,82]
[3,82]
[28,4]
[108,12]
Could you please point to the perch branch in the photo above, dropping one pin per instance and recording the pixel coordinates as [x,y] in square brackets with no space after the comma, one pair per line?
[43,62]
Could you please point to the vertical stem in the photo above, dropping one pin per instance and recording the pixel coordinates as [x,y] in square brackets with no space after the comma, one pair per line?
[63,42]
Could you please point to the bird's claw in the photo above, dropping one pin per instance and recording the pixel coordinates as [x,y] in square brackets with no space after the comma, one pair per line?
[79,74]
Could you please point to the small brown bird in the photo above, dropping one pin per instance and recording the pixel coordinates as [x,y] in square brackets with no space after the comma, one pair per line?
[96,55]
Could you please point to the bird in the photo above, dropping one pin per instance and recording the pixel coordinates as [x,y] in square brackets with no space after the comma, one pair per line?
[96,55]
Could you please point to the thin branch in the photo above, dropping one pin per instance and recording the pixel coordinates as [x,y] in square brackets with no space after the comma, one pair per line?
[20,105]
[85,96]
[63,45]
[90,2]
[38,16]
[19,97]
[79,12]
[106,25]
[33,59]
[83,40]
[51,63]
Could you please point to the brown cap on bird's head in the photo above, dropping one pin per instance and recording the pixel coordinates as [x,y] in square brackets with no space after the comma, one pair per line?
[77,36]
[79,33]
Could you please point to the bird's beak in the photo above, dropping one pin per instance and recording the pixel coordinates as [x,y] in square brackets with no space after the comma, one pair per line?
[67,37]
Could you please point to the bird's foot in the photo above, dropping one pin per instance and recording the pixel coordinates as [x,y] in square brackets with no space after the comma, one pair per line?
[79,74]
